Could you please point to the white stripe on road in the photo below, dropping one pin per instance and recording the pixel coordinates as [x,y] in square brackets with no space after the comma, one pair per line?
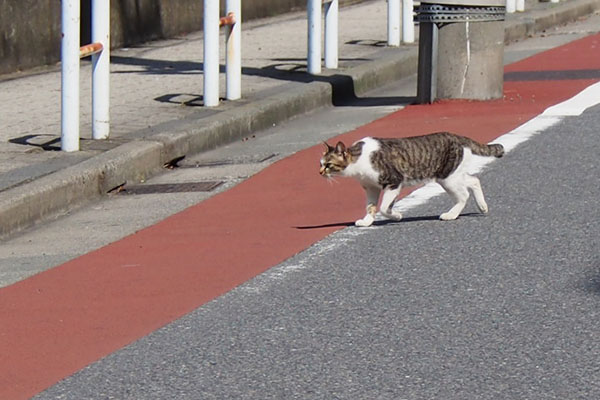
[576,105]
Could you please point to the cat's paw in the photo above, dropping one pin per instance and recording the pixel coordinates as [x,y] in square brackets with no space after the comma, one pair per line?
[483,208]
[448,216]
[366,221]
[394,215]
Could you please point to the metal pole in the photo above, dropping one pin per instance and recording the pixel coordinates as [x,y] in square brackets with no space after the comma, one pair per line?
[314,37]
[428,61]
[70,16]
[233,63]
[331,34]
[511,6]
[101,70]
[408,26]
[393,27]
[211,53]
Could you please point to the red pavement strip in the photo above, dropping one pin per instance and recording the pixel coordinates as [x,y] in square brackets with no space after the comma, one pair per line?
[59,321]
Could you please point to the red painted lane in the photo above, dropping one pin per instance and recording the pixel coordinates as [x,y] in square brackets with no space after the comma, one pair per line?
[59,321]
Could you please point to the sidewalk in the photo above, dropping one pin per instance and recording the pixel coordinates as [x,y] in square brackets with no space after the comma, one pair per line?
[156,112]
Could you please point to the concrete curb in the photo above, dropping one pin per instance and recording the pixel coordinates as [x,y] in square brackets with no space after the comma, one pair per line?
[56,193]
[527,25]
[50,195]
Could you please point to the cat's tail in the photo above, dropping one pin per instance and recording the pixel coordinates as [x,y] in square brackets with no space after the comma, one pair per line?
[486,150]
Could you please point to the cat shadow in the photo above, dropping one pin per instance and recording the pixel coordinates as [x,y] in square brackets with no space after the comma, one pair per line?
[385,222]
[331,225]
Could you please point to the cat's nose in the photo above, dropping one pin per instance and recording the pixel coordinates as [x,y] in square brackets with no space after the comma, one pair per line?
[322,170]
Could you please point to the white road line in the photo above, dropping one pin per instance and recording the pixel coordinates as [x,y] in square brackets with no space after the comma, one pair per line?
[574,106]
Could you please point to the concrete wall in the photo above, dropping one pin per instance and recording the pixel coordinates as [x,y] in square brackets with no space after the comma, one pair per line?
[30,29]
[29,33]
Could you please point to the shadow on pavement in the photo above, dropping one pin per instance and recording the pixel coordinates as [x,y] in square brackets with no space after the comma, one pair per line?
[290,70]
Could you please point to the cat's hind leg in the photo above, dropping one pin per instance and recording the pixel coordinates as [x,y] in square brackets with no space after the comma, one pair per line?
[387,203]
[372,199]
[456,186]
[475,186]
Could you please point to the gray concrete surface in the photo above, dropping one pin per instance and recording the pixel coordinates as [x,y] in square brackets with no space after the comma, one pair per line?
[156,113]
[470,61]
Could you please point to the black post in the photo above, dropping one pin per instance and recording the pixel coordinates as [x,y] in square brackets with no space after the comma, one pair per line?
[427,69]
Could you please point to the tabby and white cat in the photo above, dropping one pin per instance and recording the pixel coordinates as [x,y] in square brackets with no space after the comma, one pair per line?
[388,164]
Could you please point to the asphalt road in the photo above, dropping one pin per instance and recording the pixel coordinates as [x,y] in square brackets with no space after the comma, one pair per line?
[503,306]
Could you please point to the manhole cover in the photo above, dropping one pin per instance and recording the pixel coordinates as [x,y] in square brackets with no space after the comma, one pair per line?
[170,187]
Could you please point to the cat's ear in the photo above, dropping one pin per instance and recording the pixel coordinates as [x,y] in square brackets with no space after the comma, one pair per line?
[328,148]
[340,148]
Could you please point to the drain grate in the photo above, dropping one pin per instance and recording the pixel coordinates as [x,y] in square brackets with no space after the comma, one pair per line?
[220,163]
[158,188]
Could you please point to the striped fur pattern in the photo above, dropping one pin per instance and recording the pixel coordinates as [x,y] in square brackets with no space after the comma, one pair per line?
[385,165]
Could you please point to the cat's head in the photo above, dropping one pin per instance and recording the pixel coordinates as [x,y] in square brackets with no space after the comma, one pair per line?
[334,160]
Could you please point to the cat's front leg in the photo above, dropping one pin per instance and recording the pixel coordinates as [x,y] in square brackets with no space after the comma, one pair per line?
[387,203]
[372,200]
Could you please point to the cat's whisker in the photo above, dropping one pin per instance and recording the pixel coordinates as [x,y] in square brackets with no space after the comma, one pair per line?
[331,179]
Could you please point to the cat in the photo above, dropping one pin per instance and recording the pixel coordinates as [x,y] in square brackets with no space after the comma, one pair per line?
[388,164]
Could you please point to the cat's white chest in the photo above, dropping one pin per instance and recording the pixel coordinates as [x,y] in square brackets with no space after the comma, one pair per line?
[363,169]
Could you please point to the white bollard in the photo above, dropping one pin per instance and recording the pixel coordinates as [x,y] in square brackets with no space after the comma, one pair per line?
[520,5]
[70,17]
[313,10]
[211,53]
[233,68]
[511,6]
[393,20]
[101,70]
[331,34]
[408,25]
